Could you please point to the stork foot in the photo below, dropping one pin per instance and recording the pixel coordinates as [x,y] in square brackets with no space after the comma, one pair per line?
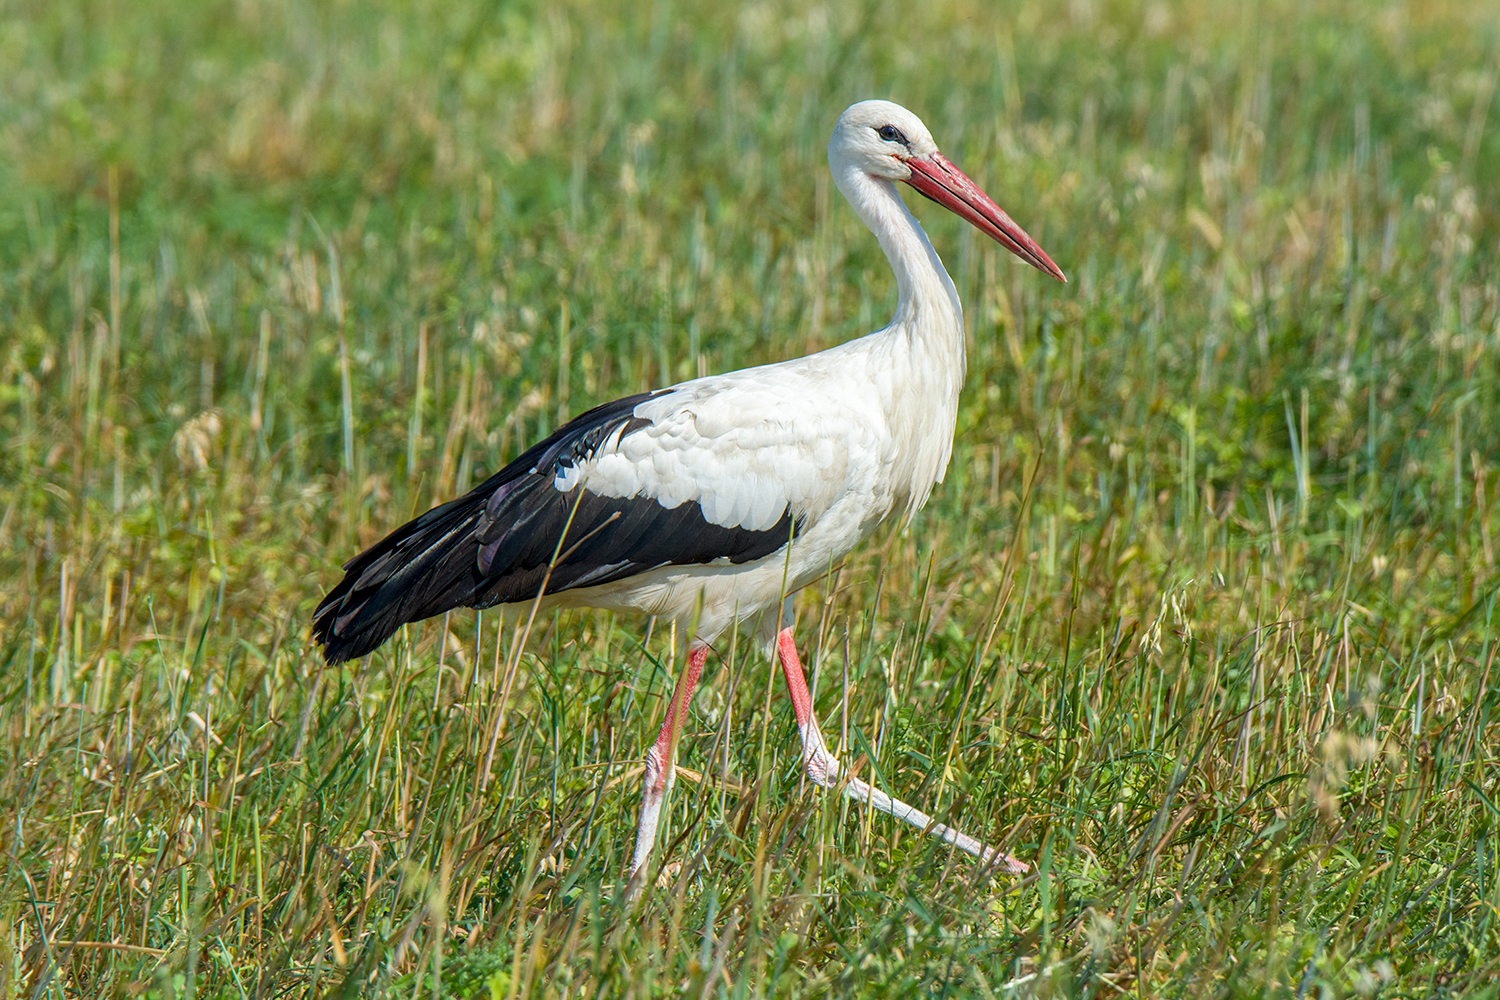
[824,769]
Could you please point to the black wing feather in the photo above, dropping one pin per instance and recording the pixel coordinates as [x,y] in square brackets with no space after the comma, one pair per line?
[494,544]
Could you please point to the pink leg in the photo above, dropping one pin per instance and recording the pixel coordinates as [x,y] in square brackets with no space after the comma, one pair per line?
[824,768]
[660,764]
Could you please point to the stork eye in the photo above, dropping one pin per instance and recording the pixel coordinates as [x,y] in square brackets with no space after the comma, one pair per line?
[891,133]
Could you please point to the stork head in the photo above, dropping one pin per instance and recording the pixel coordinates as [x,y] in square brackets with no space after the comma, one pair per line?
[886,141]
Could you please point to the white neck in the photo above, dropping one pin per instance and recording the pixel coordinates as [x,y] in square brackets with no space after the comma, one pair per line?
[917,362]
[927,305]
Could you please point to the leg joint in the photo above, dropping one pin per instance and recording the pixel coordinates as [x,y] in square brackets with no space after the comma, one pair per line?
[822,766]
[658,776]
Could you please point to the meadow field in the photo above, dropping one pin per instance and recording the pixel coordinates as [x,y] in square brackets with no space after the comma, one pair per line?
[1203,622]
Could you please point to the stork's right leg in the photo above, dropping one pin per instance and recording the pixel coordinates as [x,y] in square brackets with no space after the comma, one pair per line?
[660,764]
[824,768]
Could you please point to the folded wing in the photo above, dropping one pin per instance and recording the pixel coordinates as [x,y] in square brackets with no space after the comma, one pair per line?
[665,478]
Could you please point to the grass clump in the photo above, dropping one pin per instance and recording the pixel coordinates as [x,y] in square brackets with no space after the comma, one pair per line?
[1202,622]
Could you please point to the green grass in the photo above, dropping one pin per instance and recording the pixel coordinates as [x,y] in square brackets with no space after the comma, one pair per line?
[1202,621]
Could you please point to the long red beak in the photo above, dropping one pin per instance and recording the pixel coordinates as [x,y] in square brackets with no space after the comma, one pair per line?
[940,180]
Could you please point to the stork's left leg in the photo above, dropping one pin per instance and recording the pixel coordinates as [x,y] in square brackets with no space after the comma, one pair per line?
[661,765]
[824,768]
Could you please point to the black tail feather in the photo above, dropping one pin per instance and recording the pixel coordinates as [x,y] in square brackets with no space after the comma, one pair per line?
[423,568]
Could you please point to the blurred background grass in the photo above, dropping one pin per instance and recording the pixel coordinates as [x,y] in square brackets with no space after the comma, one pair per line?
[1201,621]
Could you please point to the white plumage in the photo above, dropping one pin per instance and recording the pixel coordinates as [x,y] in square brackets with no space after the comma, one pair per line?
[713,501]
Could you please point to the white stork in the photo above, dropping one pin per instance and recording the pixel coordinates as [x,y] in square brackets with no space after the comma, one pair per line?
[714,500]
